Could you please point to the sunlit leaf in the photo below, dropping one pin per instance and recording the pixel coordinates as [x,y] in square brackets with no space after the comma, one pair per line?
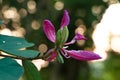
[15,46]
[10,69]
[30,71]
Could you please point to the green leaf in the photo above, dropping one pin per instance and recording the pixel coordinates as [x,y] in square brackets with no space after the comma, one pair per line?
[1,21]
[14,46]
[60,58]
[65,34]
[10,69]
[30,71]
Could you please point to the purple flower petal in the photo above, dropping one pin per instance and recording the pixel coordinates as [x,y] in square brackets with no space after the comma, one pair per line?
[65,19]
[78,36]
[64,53]
[52,56]
[83,55]
[71,42]
[49,30]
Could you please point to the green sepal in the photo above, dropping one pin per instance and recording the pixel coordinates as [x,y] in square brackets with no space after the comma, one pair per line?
[30,71]
[59,57]
[59,39]
[65,34]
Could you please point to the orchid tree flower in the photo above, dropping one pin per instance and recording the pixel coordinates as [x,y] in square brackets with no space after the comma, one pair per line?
[60,37]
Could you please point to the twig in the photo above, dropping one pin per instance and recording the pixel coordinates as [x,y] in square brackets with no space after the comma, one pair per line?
[21,58]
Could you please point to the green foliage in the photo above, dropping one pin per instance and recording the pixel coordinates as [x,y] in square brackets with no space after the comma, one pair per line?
[30,71]
[1,21]
[10,69]
[15,45]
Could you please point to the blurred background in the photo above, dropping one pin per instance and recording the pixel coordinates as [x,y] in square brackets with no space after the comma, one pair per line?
[98,20]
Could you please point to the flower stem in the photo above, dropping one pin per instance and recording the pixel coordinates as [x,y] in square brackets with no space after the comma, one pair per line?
[21,58]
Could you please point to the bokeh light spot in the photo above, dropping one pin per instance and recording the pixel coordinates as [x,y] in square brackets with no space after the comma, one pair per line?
[43,48]
[80,42]
[31,6]
[10,13]
[59,5]
[81,29]
[23,12]
[20,1]
[35,25]
[96,10]
[79,22]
